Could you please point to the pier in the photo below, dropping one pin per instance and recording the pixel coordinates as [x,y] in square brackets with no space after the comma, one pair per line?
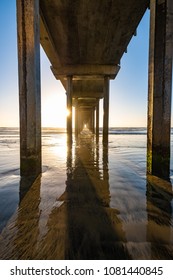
[87,192]
[85,41]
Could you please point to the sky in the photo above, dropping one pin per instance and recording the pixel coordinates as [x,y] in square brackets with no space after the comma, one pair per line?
[128,92]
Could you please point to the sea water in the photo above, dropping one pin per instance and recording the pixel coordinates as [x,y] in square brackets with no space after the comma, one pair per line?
[91,201]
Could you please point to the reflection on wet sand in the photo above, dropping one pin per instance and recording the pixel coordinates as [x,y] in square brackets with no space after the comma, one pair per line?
[94,229]
[82,226]
[79,223]
[18,240]
[159,227]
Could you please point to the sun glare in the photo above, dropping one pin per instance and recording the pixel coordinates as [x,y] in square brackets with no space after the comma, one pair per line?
[54,111]
[67,112]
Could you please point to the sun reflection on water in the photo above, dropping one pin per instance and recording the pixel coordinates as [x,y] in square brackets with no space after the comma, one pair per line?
[87,198]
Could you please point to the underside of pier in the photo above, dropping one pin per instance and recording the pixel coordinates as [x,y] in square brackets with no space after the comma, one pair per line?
[85,41]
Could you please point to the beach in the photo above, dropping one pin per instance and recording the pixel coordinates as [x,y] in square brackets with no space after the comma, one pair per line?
[90,202]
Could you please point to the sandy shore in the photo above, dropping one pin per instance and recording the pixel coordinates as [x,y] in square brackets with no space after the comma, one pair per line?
[91,203]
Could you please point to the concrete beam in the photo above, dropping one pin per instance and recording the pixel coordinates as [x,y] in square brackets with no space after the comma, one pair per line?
[86,71]
[84,87]
[29,86]
[86,107]
[89,94]
[87,101]
[160,86]
[47,41]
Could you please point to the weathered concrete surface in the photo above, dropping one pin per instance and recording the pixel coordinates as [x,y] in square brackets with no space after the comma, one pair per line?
[106,110]
[160,87]
[86,71]
[97,120]
[69,108]
[76,117]
[29,86]
[89,32]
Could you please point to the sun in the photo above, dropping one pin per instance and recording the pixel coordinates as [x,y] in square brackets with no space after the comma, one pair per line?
[67,113]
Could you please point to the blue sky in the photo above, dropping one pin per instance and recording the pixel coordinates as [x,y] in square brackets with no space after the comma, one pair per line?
[128,92]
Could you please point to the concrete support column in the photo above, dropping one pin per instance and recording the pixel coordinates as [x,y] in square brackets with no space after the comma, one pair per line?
[76,117]
[93,120]
[97,120]
[69,108]
[79,119]
[29,86]
[160,83]
[106,110]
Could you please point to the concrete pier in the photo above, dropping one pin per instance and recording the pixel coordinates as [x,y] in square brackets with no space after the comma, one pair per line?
[85,64]
[29,86]
[97,120]
[85,206]
[106,110]
[93,119]
[69,108]
[76,117]
[160,87]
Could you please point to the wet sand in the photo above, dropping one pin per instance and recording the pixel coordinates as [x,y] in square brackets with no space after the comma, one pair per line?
[91,202]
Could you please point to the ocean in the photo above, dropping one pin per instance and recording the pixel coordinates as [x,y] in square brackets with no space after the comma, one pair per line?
[90,202]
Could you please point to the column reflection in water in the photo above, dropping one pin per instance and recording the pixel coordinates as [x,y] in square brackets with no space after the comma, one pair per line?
[79,224]
[160,220]
[21,236]
[94,229]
